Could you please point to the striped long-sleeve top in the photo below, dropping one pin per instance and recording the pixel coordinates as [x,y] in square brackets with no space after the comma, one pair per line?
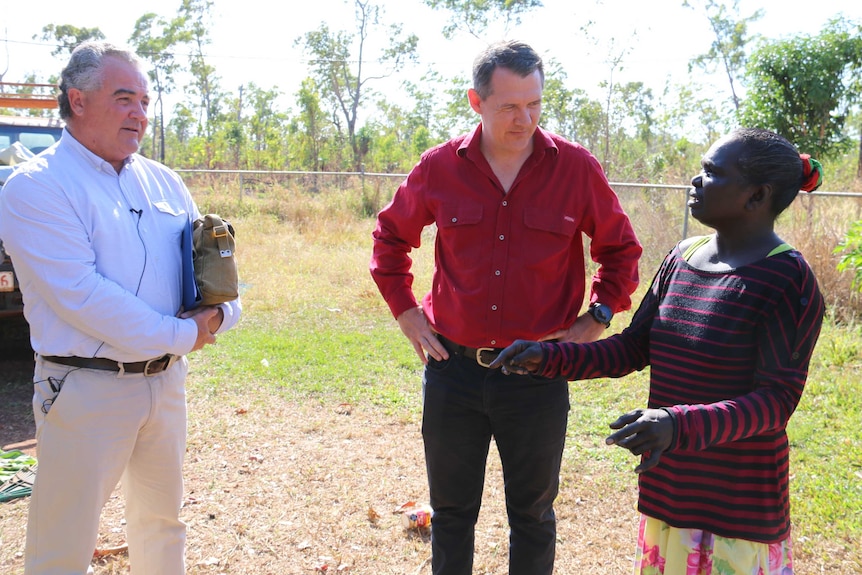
[728,355]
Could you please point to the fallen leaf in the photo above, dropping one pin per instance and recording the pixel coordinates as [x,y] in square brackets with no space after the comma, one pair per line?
[373,516]
[405,506]
[105,551]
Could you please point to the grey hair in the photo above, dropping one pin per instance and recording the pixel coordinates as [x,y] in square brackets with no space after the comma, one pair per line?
[509,54]
[84,70]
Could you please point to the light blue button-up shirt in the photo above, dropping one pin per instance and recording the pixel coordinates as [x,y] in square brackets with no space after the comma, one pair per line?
[98,255]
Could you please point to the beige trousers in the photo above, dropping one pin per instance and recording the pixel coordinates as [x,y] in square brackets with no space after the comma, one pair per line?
[99,429]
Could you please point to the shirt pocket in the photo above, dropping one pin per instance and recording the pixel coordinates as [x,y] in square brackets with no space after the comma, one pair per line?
[461,236]
[549,235]
[167,207]
[172,217]
[551,221]
[453,215]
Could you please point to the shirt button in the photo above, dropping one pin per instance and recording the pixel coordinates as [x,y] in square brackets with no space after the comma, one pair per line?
[494,308]
[505,203]
[496,273]
[493,342]
[502,237]
[454,220]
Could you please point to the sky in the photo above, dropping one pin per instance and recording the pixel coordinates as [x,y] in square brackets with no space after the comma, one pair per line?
[254,40]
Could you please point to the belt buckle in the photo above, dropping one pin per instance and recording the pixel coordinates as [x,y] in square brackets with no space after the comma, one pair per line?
[479,356]
[159,364]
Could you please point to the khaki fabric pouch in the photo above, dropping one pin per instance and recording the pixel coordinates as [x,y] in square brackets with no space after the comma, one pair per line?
[214,257]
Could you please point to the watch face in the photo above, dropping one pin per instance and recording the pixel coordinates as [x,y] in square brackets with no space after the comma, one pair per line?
[602,313]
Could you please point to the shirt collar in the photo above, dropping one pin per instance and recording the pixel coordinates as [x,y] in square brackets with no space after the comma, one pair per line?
[97,162]
[542,142]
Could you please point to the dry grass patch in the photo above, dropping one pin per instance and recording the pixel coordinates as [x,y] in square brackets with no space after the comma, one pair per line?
[282,481]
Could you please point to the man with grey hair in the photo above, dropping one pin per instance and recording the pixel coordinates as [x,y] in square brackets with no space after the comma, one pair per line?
[94,231]
[511,203]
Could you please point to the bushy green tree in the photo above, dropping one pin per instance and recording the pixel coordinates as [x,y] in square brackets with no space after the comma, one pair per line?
[727,51]
[803,87]
[156,40]
[474,16]
[67,37]
[338,60]
[193,26]
[265,127]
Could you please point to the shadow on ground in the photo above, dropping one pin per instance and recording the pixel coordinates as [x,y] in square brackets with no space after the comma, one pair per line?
[17,428]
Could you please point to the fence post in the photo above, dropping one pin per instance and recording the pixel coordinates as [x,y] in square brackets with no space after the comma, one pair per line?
[685,213]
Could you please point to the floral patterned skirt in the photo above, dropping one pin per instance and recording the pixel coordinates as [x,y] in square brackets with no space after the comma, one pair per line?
[666,550]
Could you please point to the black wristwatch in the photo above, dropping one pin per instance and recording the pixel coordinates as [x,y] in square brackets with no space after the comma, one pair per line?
[601,313]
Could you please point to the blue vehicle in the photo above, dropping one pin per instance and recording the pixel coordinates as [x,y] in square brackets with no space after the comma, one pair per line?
[20,138]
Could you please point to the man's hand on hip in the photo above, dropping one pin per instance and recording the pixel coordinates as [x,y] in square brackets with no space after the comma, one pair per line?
[415,326]
[584,330]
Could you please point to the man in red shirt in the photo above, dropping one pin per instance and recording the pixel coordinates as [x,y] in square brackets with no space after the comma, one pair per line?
[511,203]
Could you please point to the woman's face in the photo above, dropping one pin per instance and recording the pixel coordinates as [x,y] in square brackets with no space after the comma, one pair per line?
[720,191]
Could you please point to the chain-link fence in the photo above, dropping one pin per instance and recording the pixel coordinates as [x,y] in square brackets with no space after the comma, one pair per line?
[815,223]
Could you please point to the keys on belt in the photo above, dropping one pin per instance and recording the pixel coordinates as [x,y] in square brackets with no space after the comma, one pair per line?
[482,355]
[148,367]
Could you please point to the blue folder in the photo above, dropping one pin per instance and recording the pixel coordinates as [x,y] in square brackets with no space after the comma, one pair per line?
[191,293]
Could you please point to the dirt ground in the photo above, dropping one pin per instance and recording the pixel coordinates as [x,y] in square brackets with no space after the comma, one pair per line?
[277,488]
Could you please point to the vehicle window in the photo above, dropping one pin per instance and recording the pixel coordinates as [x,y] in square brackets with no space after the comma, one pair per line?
[5,142]
[36,141]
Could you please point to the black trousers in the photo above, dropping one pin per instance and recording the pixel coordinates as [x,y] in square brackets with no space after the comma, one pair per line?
[464,406]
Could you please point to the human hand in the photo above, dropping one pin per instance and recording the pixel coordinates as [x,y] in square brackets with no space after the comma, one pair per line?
[521,358]
[584,330]
[215,321]
[205,317]
[415,326]
[646,432]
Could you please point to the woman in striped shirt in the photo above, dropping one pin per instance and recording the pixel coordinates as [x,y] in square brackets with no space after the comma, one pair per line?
[727,327]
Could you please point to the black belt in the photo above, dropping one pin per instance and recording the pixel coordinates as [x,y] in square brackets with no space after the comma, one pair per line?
[482,355]
[149,367]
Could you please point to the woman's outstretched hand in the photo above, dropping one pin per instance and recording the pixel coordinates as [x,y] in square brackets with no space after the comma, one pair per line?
[646,432]
[521,358]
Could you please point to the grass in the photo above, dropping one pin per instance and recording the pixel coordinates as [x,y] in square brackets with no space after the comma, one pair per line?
[826,442]
[304,418]
[319,331]
[352,366]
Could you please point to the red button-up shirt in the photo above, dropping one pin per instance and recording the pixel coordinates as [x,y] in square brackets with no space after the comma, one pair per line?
[507,265]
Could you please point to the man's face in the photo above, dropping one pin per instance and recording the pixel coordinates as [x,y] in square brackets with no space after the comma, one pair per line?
[111,121]
[511,111]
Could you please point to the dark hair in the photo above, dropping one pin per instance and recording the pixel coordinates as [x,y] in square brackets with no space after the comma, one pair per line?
[510,54]
[768,158]
[84,70]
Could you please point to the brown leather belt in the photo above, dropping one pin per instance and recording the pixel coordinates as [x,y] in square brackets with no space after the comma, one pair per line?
[482,355]
[149,367]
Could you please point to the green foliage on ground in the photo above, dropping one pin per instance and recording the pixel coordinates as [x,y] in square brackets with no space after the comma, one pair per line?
[315,329]
[850,250]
